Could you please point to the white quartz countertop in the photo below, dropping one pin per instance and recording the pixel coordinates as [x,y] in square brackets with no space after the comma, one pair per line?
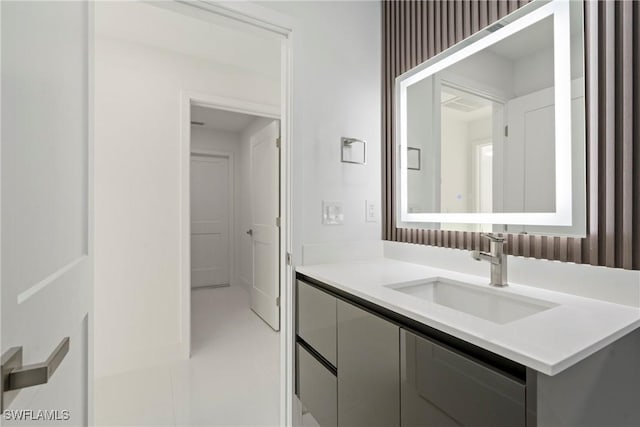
[549,341]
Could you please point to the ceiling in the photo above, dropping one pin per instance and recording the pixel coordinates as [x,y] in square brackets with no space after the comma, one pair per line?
[220,120]
[158,27]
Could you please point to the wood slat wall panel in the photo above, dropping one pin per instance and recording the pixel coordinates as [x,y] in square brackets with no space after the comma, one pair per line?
[413,31]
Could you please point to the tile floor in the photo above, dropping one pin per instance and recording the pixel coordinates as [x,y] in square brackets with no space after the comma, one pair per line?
[232,378]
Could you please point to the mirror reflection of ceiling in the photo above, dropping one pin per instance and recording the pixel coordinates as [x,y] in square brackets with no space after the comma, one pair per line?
[526,42]
[463,105]
[515,66]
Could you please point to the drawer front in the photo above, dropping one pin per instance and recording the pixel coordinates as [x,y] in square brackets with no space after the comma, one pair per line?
[369,369]
[317,390]
[317,320]
[443,388]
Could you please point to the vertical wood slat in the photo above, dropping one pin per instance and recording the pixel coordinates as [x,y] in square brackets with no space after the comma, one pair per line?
[609,133]
[626,138]
[493,11]
[451,22]
[386,62]
[437,23]
[459,25]
[512,5]
[414,31]
[444,26]
[431,28]
[466,19]
[396,72]
[424,26]
[591,249]
[636,138]
[387,120]
[483,15]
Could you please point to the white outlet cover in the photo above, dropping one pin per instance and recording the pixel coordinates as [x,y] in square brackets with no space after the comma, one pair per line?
[332,213]
[370,211]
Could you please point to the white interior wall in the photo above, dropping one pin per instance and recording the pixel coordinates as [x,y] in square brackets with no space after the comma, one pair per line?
[137,171]
[336,92]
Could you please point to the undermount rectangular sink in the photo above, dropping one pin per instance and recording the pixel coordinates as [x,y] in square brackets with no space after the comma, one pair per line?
[486,303]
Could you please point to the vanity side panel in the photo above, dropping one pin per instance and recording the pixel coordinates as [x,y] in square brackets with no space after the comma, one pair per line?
[602,390]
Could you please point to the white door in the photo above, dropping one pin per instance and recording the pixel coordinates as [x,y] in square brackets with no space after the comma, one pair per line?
[210,253]
[47,259]
[265,199]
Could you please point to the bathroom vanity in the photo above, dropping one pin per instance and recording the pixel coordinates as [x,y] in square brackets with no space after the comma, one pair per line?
[391,343]
[489,137]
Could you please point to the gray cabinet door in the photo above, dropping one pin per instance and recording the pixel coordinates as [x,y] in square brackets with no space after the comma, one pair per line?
[317,320]
[317,390]
[443,388]
[368,369]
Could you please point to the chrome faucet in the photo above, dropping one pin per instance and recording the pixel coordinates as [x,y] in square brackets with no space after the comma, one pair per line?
[497,257]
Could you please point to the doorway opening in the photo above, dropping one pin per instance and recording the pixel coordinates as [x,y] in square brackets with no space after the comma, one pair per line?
[234,257]
[234,208]
[148,79]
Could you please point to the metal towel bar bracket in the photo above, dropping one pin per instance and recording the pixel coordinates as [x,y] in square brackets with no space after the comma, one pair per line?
[14,376]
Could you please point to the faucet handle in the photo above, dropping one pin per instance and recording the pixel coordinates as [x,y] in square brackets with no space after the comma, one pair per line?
[493,237]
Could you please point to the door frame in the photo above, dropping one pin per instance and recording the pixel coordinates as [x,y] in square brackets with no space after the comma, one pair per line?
[187,100]
[200,152]
[250,16]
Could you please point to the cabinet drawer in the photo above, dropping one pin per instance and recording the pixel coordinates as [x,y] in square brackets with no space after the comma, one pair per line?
[443,388]
[317,320]
[317,390]
[369,369]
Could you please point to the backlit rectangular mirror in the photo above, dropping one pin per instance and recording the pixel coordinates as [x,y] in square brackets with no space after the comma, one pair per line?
[498,125]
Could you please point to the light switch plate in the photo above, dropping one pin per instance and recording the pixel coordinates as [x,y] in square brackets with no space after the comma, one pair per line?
[371,211]
[332,213]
